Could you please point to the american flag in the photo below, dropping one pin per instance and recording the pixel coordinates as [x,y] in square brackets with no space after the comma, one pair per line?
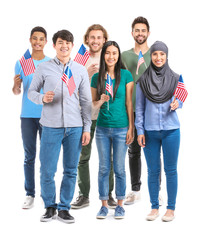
[140,61]
[109,85]
[181,92]
[27,63]
[82,55]
[68,80]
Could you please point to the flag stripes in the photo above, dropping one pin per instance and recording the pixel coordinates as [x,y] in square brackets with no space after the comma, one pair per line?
[109,85]
[68,79]
[140,61]
[181,92]
[82,55]
[27,63]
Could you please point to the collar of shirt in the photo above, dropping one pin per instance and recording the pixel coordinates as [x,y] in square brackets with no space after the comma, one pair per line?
[58,62]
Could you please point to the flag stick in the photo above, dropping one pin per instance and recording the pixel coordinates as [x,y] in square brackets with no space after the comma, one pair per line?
[20,71]
[56,86]
[57,82]
[107,103]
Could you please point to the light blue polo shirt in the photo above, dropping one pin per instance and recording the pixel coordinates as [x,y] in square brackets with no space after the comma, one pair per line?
[28,108]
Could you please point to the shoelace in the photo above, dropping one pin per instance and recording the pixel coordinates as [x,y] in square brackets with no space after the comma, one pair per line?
[79,197]
[103,210]
[119,209]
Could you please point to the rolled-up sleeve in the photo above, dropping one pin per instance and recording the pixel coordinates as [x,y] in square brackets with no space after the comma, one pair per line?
[139,110]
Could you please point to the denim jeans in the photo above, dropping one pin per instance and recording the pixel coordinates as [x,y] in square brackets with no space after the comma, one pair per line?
[169,140]
[107,138]
[51,141]
[83,167]
[29,129]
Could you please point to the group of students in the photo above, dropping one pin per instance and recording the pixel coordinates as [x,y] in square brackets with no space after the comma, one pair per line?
[139,113]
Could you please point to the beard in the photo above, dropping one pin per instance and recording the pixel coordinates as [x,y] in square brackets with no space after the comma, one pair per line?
[141,41]
[95,50]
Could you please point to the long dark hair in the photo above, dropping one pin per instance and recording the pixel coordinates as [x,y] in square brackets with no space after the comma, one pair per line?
[103,69]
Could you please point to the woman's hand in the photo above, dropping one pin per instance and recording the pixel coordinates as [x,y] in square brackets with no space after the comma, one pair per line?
[104,98]
[174,105]
[95,98]
[130,136]
[141,140]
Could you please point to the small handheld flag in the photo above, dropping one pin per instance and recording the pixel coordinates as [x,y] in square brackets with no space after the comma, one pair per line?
[27,63]
[140,61]
[82,55]
[67,77]
[181,92]
[109,85]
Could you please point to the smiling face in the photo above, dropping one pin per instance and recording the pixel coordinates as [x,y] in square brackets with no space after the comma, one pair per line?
[95,41]
[38,41]
[159,58]
[63,48]
[111,56]
[140,33]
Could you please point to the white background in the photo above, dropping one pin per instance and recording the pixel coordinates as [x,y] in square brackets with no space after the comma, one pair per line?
[180,24]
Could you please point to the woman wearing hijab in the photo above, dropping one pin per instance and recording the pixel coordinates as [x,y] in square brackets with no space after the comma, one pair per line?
[115,124]
[158,126]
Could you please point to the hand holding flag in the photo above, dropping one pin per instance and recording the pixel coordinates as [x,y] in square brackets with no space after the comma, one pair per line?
[67,77]
[82,55]
[109,85]
[27,63]
[48,97]
[181,92]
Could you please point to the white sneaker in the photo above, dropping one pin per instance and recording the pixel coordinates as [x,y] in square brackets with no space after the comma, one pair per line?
[132,198]
[28,203]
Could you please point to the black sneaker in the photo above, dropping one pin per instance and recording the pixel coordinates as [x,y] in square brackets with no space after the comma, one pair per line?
[81,202]
[111,202]
[49,215]
[64,216]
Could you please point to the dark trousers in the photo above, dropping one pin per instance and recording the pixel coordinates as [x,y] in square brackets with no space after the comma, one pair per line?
[29,129]
[134,153]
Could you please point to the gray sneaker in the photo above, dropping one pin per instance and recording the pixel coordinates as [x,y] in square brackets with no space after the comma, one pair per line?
[111,202]
[80,202]
[132,198]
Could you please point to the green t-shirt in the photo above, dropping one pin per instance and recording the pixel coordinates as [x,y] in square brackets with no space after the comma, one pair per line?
[116,116]
[130,60]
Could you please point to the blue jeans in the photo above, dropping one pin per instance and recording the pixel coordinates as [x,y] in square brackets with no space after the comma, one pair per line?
[29,129]
[169,141]
[107,138]
[51,141]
